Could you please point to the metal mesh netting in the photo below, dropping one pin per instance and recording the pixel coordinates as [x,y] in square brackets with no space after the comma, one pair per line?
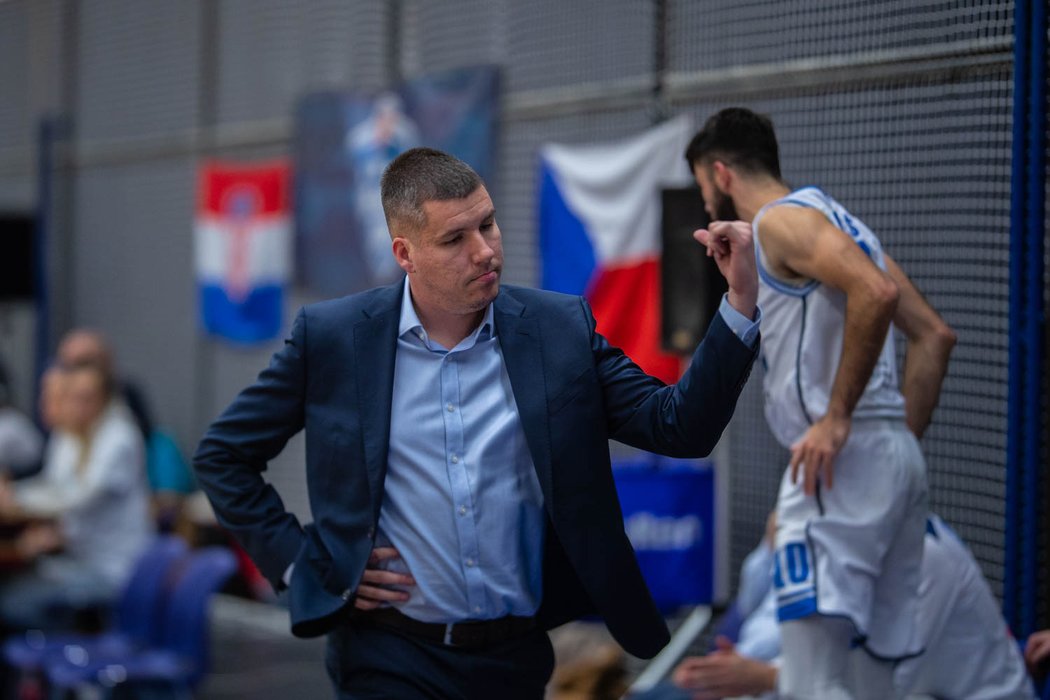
[709,35]
[926,165]
[270,53]
[143,59]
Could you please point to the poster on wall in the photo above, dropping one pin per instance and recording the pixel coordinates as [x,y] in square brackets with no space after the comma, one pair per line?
[344,141]
[242,249]
[599,228]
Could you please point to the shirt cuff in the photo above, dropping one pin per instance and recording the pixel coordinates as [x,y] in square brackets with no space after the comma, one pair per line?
[286,578]
[744,328]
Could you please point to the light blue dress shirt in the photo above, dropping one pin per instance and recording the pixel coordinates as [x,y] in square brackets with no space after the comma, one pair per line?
[462,502]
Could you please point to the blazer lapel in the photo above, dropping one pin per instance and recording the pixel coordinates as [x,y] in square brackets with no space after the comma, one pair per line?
[521,344]
[375,344]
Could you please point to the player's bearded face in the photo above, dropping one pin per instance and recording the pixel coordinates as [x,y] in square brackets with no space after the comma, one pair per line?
[724,208]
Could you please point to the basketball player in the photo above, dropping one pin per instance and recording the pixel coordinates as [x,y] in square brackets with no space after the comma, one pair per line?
[852,502]
[969,651]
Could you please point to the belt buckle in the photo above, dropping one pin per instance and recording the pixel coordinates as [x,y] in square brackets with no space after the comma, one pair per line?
[447,641]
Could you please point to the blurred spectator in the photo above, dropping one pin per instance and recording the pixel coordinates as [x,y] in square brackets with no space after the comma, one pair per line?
[87,511]
[170,478]
[21,445]
[83,346]
[1037,655]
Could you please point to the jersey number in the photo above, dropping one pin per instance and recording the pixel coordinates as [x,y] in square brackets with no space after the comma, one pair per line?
[797,565]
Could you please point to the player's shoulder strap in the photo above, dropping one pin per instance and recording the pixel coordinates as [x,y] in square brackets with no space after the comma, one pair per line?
[809,197]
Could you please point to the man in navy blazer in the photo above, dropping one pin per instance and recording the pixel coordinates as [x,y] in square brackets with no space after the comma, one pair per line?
[465,426]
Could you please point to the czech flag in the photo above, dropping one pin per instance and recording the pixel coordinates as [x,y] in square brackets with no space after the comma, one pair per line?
[599,230]
[243,249]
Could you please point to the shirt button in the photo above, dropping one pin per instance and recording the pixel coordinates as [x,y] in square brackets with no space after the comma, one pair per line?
[477,608]
[470,562]
[462,510]
[450,408]
[455,459]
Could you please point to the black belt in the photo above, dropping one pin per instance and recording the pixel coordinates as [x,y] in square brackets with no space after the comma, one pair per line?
[469,634]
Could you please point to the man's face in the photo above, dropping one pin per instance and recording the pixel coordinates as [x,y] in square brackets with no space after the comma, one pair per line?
[82,347]
[84,399]
[718,204]
[454,261]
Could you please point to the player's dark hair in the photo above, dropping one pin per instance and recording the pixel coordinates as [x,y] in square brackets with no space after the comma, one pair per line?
[738,137]
[420,175]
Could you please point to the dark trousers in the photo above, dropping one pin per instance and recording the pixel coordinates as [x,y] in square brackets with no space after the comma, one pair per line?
[365,661]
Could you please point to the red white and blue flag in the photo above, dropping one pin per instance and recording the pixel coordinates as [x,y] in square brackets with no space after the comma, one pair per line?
[243,249]
[599,230]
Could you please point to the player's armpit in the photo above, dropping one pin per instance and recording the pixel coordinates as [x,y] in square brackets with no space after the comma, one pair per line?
[800,244]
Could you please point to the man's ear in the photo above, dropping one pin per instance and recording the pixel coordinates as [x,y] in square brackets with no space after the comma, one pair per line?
[402,248]
[723,176]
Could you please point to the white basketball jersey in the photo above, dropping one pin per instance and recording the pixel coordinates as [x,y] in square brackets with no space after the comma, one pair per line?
[802,329]
[969,651]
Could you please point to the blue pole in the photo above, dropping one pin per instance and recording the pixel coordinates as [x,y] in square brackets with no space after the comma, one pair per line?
[45,143]
[1035,317]
[1015,387]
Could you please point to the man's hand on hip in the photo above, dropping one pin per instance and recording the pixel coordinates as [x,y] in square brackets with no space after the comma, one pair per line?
[376,584]
[730,244]
[816,450]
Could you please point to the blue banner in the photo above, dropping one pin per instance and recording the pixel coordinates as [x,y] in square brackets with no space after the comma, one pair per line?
[669,515]
[343,142]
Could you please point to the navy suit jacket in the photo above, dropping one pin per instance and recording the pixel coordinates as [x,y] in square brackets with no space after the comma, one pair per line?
[334,378]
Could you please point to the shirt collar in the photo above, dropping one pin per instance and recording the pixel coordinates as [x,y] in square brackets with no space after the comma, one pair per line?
[410,323]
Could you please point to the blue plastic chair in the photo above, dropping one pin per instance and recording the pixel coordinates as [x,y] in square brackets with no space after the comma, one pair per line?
[137,622]
[180,659]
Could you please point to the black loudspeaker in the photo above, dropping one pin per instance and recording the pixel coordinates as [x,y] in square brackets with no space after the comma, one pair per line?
[691,285]
[16,256]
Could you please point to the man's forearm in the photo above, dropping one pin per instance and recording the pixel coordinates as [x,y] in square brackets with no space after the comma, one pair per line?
[925,365]
[867,322]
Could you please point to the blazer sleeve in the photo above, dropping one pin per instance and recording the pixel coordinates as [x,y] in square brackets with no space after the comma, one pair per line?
[237,448]
[685,419]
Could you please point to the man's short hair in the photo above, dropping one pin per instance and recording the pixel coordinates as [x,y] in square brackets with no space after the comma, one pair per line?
[738,137]
[421,175]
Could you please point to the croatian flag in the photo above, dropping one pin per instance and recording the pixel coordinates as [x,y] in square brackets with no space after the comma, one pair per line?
[243,249]
[599,229]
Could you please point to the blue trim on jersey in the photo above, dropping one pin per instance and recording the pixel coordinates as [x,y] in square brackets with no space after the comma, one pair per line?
[798,609]
[931,530]
[807,592]
[798,364]
[784,287]
[767,277]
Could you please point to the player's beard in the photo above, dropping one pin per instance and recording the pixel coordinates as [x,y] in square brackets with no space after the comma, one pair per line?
[724,208]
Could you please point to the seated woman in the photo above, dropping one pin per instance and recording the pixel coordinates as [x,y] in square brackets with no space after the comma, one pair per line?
[88,508]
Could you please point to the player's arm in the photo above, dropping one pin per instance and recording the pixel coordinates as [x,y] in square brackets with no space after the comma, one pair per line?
[801,244]
[930,342]
[724,673]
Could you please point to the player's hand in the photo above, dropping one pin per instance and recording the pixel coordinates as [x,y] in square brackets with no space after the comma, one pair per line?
[730,244]
[723,673]
[1037,651]
[37,539]
[8,503]
[815,452]
[376,584]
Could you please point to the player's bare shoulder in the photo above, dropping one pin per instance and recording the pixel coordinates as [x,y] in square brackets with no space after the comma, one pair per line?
[788,235]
